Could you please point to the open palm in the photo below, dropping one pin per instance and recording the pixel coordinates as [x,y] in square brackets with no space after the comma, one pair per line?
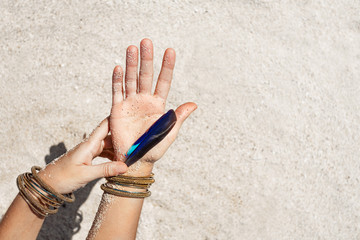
[135,108]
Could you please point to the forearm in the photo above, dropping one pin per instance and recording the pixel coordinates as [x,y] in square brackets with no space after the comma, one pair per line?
[118,217]
[19,222]
[46,194]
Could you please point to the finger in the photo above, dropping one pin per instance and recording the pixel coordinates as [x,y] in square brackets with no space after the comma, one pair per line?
[117,85]
[146,66]
[166,73]
[101,131]
[109,154]
[131,70]
[108,169]
[107,142]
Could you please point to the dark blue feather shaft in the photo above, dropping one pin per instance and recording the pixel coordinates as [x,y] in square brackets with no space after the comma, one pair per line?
[151,137]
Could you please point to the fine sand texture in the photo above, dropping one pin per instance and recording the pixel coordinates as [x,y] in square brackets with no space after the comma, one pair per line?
[272,152]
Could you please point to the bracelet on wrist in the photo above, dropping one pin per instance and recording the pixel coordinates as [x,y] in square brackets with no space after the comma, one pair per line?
[41,198]
[119,186]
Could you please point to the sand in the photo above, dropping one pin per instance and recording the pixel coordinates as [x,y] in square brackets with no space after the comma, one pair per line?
[272,151]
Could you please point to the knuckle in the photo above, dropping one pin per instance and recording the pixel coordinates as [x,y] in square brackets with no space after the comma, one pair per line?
[146,75]
[107,170]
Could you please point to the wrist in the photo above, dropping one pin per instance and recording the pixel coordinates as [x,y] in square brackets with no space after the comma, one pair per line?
[46,176]
[141,168]
[56,177]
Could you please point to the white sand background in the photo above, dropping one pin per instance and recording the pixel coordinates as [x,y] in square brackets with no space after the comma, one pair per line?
[272,151]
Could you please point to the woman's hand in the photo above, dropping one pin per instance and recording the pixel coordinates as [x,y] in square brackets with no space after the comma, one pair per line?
[74,169]
[136,109]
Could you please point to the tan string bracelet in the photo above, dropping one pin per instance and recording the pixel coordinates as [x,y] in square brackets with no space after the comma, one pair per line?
[26,178]
[41,198]
[123,193]
[67,197]
[116,186]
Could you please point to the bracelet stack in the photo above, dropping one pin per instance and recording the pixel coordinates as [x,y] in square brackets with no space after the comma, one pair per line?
[41,198]
[117,186]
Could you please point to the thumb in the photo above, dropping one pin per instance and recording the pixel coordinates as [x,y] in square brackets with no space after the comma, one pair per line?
[108,169]
[101,131]
[184,111]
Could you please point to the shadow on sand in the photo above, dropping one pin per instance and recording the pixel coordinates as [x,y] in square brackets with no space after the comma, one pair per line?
[67,221]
